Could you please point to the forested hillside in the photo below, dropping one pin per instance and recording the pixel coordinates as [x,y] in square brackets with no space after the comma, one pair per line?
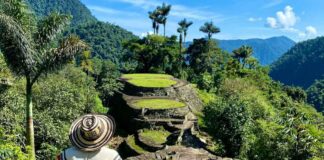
[265,50]
[301,65]
[220,104]
[81,14]
[105,39]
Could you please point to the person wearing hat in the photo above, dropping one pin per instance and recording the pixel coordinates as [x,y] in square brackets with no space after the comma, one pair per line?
[89,136]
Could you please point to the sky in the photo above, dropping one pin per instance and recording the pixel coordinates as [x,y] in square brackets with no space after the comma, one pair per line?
[238,19]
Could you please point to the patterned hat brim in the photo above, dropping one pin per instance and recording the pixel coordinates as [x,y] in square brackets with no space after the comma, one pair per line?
[108,129]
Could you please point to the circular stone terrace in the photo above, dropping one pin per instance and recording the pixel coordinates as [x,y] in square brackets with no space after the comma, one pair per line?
[156,104]
[148,80]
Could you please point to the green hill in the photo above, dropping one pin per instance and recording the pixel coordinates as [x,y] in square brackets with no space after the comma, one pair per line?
[105,39]
[301,65]
[265,50]
[81,14]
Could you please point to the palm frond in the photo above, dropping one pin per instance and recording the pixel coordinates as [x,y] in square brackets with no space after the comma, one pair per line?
[16,46]
[19,10]
[58,57]
[49,28]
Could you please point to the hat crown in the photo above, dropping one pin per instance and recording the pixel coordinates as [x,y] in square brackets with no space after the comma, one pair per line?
[90,128]
[89,122]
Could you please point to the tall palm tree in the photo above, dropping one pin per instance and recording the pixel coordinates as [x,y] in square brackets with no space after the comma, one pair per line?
[242,53]
[184,24]
[164,12]
[27,46]
[180,31]
[210,29]
[153,16]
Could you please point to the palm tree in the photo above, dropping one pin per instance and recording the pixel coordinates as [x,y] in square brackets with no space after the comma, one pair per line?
[242,53]
[210,29]
[180,31]
[164,12]
[153,16]
[28,49]
[184,24]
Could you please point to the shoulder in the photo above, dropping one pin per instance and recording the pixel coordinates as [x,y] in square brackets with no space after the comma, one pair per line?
[69,153]
[110,153]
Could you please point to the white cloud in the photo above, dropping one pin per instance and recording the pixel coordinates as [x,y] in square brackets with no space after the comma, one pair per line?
[284,19]
[144,34]
[271,22]
[287,18]
[109,11]
[145,4]
[311,31]
[252,19]
[272,3]
[176,11]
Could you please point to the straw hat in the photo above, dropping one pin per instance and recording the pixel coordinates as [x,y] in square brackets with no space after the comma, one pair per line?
[91,132]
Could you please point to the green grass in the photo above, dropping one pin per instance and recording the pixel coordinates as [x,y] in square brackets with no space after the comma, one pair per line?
[145,75]
[157,104]
[156,136]
[132,143]
[150,80]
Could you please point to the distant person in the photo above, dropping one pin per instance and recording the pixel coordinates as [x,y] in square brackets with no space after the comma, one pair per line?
[89,136]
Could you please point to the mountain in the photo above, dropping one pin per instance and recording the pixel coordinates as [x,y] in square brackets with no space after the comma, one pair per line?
[265,50]
[81,14]
[301,65]
[105,39]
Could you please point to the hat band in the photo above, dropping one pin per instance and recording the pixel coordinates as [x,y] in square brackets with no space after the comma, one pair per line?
[91,135]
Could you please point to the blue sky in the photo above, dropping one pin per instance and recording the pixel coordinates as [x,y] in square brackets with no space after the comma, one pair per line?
[237,19]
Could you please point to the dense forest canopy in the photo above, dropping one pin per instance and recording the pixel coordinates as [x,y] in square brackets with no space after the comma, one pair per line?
[245,113]
[316,95]
[301,65]
[81,14]
[105,39]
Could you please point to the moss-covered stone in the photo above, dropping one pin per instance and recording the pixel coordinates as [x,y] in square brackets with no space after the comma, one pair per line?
[153,139]
[150,80]
[157,104]
[131,143]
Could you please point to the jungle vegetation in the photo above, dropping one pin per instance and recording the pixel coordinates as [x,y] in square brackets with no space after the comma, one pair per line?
[247,113]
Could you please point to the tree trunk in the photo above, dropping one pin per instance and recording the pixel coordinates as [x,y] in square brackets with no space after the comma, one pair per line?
[180,43]
[29,118]
[164,29]
[184,39]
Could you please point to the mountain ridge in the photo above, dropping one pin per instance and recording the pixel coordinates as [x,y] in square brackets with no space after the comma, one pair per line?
[105,39]
[265,50]
[301,65]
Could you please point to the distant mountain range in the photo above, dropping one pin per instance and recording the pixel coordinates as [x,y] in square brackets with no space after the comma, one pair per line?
[109,44]
[301,65]
[265,50]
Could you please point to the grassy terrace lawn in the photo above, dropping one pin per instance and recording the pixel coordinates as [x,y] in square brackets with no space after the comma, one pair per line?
[154,136]
[150,80]
[157,104]
[131,143]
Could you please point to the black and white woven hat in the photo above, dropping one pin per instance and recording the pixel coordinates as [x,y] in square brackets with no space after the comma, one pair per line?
[92,131]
